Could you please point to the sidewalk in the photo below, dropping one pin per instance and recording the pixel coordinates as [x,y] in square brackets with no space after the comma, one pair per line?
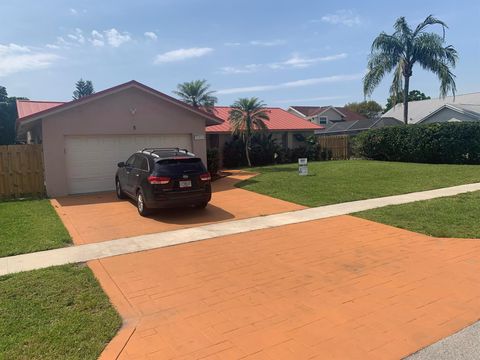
[82,253]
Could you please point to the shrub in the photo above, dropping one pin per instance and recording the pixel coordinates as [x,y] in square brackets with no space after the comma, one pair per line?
[447,143]
[234,153]
[213,161]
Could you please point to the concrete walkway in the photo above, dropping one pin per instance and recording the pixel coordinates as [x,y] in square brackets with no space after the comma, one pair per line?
[82,253]
[464,345]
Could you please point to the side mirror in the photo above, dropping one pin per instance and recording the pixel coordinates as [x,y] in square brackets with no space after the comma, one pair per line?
[121,164]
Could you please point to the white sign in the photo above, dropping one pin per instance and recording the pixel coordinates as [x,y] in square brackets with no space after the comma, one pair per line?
[302,166]
[199,137]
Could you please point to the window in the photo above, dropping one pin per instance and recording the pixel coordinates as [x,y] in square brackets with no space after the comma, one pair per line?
[322,120]
[141,163]
[130,160]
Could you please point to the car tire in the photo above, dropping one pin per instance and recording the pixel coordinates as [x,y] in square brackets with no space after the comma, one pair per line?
[118,190]
[141,207]
[202,205]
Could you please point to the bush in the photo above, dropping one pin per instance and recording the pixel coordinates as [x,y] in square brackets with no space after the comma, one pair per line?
[264,150]
[445,143]
[213,161]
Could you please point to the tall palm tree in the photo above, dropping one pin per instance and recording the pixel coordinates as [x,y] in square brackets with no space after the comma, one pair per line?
[247,116]
[196,93]
[404,48]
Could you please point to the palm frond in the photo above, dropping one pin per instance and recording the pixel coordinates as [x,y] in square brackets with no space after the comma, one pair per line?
[430,20]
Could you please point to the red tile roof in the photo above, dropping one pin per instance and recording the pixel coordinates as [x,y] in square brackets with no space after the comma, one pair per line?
[280,120]
[30,107]
[315,110]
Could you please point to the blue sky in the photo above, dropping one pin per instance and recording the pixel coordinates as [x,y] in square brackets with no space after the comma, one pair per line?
[284,52]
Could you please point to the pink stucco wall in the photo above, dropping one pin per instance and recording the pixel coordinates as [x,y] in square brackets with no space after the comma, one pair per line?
[109,115]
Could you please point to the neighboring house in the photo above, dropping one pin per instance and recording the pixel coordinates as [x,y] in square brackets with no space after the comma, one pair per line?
[451,109]
[325,115]
[283,126]
[357,126]
[83,140]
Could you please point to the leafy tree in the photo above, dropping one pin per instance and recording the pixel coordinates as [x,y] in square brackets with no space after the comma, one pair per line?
[414,95]
[197,94]
[83,88]
[247,116]
[8,117]
[370,108]
[403,49]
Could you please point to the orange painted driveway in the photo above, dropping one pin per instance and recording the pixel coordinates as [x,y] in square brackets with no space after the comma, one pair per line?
[338,288]
[100,217]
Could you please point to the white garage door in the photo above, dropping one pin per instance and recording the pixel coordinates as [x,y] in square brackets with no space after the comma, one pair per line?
[91,161]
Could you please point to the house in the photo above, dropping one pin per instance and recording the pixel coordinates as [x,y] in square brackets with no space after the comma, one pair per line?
[325,115]
[450,109]
[286,128]
[84,139]
[357,126]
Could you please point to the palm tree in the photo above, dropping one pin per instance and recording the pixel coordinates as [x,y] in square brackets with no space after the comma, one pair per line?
[196,93]
[401,50]
[246,117]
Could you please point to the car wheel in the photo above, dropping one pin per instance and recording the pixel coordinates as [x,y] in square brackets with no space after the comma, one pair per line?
[118,190]
[141,207]
[202,205]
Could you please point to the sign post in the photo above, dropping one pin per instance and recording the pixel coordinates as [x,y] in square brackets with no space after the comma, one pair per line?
[302,166]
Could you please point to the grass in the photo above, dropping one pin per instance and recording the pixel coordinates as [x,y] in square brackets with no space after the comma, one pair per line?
[332,182]
[453,216]
[55,313]
[30,225]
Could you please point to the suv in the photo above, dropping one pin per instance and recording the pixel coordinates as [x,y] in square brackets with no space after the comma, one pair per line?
[163,178]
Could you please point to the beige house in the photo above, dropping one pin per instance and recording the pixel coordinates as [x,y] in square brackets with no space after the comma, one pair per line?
[325,115]
[83,140]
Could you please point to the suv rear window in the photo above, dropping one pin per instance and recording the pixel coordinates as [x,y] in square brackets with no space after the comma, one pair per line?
[179,166]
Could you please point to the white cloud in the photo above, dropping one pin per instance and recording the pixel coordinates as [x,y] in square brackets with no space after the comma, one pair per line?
[343,17]
[52,46]
[232,44]
[292,84]
[150,35]
[77,36]
[295,61]
[312,99]
[73,11]
[182,54]
[97,39]
[268,43]
[115,38]
[16,58]
[246,69]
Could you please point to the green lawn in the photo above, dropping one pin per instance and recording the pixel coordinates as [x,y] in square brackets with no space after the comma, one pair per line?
[55,313]
[333,182]
[30,225]
[453,216]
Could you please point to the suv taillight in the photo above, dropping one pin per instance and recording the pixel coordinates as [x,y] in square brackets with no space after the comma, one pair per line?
[158,180]
[205,177]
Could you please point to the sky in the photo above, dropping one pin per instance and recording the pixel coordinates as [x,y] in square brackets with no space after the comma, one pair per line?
[283,52]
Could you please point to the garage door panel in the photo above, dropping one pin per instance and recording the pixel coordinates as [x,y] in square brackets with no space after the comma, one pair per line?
[91,161]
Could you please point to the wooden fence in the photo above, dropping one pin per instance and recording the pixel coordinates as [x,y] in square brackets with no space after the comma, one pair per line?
[339,145]
[21,171]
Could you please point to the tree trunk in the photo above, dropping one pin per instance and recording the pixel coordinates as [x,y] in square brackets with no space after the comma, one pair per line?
[247,152]
[405,99]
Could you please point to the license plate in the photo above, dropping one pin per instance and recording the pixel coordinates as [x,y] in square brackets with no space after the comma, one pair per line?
[185,183]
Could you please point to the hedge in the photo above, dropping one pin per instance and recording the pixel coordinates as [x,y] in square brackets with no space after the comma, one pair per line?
[265,150]
[439,143]
[213,161]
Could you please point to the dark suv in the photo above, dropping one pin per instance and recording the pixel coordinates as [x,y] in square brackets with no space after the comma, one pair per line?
[163,178]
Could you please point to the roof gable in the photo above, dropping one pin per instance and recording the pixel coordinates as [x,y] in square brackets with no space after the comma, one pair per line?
[280,120]
[34,110]
[308,111]
[472,111]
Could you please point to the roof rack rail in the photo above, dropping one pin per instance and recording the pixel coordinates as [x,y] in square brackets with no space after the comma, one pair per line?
[152,150]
